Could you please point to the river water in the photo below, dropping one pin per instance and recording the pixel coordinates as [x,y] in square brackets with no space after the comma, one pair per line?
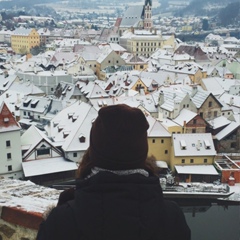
[211,221]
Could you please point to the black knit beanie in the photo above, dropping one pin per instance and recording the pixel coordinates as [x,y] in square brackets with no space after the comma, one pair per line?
[118,138]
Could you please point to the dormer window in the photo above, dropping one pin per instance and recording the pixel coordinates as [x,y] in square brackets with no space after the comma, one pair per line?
[34,103]
[26,102]
[74,118]
[207,144]
[82,139]
[70,115]
[65,134]
[6,120]
[100,103]
[183,145]
[55,124]
[60,128]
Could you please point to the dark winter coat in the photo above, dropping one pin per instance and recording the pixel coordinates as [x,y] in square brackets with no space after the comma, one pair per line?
[112,207]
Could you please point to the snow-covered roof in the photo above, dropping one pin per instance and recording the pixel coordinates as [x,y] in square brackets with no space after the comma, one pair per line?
[195,144]
[196,169]
[162,164]
[219,122]
[184,115]
[132,16]
[156,129]
[74,120]
[227,130]
[47,166]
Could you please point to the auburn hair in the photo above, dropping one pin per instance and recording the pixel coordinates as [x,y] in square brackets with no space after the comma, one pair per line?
[86,165]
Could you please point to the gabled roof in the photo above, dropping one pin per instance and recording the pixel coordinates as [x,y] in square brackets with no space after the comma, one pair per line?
[93,90]
[32,138]
[189,68]
[198,96]
[132,16]
[22,31]
[88,53]
[63,58]
[171,97]
[184,115]
[7,121]
[156,129]
[227,130]
[83,128]
[106,52]
[219,122]
[145,101]
[232,100]
[6,82]
[194,51]
[73,121]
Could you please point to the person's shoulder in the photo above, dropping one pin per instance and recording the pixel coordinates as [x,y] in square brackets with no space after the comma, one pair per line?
[57,212]
[172,206]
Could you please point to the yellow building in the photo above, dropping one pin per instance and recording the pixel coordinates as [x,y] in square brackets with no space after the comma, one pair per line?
[145,43]
[22,40]
[187,28]
[159,141]
[192,149]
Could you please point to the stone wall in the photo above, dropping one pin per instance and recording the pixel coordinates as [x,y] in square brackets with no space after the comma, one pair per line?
[22,206]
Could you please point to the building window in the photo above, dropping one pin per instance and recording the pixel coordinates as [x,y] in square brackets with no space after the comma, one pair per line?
[215,113]
[194,121]
[162,140]
[166,151]
[153,140]
[183,160]
[8,143]
[205,160]
[191,161]
[201,114]
[233,145]
[9,156]
[75,154]
[43,151]
[193,130]
[9,168]
[210,104]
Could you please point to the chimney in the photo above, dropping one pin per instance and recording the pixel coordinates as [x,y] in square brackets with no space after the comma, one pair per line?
[160,114]
[194,90]
[126,92]
[132,30]
[6,74]
[161,98]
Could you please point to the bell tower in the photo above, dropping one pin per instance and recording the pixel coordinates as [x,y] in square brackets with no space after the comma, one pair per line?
[148,14]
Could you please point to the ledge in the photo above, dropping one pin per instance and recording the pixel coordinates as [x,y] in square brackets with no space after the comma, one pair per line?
[23,204]
[22,218]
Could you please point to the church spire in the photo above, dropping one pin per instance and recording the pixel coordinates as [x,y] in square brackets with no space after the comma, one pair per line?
[148,14]
[148,2]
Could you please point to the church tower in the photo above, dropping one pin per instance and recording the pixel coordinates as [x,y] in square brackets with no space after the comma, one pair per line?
[147,21]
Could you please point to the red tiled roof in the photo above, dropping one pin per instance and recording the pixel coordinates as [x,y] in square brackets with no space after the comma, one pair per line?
[7,119]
